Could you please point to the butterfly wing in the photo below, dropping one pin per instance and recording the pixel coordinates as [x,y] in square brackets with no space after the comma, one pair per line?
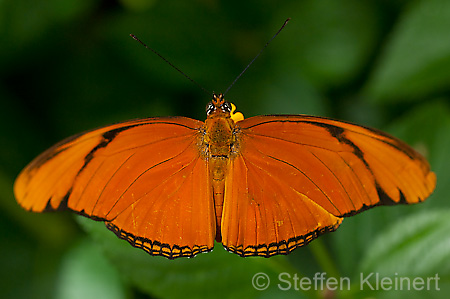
[144,178]
[296,177]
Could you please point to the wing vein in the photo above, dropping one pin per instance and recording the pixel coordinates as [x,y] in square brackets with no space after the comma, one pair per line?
[305,175]
[110,178]
[148,169]
[336,177]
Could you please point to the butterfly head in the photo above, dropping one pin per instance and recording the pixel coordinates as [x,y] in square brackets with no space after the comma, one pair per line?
[218,107]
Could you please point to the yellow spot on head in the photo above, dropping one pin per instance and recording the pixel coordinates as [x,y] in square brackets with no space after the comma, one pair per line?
[238,116]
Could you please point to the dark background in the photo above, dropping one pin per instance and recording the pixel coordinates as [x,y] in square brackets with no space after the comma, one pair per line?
[68,66]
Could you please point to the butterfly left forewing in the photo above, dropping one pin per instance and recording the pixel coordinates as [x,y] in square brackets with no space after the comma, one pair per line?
[144,178]
[304,173]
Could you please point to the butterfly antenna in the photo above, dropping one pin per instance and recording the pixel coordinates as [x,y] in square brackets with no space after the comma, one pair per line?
[251,62]
[168,62]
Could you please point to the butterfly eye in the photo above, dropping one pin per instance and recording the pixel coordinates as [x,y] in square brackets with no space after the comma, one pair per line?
[210,108]
[226,107]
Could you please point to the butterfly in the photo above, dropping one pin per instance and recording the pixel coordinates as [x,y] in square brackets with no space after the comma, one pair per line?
[261,186]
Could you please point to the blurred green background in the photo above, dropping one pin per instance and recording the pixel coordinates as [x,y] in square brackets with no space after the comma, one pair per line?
[68,66]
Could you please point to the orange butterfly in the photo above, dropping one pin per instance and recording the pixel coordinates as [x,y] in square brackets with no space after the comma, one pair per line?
[261,186]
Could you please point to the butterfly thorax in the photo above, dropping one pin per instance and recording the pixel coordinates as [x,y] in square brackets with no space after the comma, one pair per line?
[219,130]
[219,136]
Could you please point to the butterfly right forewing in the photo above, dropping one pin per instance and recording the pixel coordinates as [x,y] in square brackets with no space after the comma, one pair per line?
[295,177]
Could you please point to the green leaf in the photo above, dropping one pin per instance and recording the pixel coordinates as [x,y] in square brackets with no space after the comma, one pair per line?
[416,58]
[328,41]
[415,245]
[414,248]
[86,273]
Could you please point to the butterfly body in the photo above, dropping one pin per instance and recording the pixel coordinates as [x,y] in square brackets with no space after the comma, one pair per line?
[262,186]
[219,139]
